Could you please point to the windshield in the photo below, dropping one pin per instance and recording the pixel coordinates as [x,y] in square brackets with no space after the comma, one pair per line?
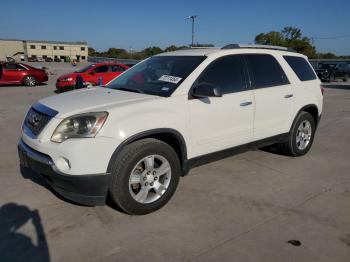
[326,66]
[158,75]
[84,69]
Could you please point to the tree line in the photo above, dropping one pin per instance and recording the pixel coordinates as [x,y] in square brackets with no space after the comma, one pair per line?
[291,37]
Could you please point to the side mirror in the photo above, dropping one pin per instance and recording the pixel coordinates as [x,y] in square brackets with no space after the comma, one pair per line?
[206,90]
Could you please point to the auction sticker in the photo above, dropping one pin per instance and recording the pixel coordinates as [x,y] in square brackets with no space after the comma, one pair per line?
[170,79]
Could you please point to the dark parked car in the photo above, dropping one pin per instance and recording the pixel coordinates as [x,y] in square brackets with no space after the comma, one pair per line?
[18,74]
[32,59]
[48,59]
[331,72]
[57,59]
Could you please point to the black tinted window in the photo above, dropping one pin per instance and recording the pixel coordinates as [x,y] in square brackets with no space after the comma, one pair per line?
[266,71]
[117,68]
[227,73]
[301,68]
[11,66]
[101,69]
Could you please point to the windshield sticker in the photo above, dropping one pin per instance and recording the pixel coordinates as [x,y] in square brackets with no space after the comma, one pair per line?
[170,79]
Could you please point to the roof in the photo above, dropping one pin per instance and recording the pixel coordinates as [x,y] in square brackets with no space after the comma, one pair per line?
[45,41]
[191,52]
[234,47]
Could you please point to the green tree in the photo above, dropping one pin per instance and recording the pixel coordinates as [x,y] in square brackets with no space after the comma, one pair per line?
[91,51]
[289,37]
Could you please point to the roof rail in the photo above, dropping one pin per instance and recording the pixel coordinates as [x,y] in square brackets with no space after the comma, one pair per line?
[272,47]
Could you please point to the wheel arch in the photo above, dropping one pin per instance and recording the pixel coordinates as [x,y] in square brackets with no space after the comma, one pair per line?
[310,108]
[169,136]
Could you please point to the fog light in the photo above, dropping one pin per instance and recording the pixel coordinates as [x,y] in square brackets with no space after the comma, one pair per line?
[63,163]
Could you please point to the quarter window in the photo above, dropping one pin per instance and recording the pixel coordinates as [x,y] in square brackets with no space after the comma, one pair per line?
[227,73]
[265,71]
[300,67]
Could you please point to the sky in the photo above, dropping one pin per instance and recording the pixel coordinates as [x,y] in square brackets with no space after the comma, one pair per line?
[136,24]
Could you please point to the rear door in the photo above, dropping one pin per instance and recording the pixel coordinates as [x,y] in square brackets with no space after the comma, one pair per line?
[218,123]
[273,95]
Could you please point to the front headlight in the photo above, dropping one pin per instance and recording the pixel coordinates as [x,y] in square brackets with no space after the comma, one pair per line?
[67,79]
[79,126]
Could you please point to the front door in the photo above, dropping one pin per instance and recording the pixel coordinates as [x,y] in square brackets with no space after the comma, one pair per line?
[219,123]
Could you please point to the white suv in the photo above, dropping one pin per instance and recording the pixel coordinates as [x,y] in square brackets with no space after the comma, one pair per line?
[133,139]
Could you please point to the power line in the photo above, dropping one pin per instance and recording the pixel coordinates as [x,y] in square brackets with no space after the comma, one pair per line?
[332,37]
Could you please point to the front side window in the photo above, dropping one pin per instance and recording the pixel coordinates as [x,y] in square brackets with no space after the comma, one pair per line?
[158,75]
[227,73]
[101,69]
[301,68]
[265,71]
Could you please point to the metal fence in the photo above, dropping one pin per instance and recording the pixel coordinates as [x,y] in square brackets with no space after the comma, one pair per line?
[95,59]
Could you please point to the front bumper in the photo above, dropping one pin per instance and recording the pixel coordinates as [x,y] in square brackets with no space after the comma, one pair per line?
[83,189]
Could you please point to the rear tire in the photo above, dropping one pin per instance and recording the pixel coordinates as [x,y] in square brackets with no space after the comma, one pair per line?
[301,135]
[145,175]
[29,81]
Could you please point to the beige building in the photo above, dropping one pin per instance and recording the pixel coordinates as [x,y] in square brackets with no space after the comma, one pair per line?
[24,49]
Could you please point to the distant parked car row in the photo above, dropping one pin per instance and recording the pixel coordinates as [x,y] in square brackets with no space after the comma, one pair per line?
[21,74]
[46,59]
[331,72]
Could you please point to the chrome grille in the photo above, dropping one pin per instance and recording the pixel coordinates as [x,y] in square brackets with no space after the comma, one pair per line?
[35,121]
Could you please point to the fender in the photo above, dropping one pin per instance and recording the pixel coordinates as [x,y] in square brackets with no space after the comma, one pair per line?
[154,133]
[304,108]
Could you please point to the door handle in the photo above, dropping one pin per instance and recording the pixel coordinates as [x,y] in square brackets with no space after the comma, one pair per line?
[288,96]
[245,103]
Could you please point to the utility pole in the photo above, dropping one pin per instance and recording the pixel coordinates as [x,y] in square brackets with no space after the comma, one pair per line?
[192,17]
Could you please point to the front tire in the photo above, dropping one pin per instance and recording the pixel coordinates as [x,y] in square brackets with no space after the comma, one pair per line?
[145,175]
[301,135]
[29,81]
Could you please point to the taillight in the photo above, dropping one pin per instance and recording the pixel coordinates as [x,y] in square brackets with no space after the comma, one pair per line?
[322,89]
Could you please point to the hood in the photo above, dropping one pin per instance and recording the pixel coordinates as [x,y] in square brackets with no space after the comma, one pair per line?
[91,100]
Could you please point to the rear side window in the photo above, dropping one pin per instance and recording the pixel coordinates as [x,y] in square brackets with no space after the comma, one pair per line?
[265,71]
[301,68]
[227,73]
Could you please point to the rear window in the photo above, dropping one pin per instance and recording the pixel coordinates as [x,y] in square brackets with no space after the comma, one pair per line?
[266,71]
[301,68]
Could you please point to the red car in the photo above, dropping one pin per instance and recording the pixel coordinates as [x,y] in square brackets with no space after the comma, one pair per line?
[18,74]
[91,74]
